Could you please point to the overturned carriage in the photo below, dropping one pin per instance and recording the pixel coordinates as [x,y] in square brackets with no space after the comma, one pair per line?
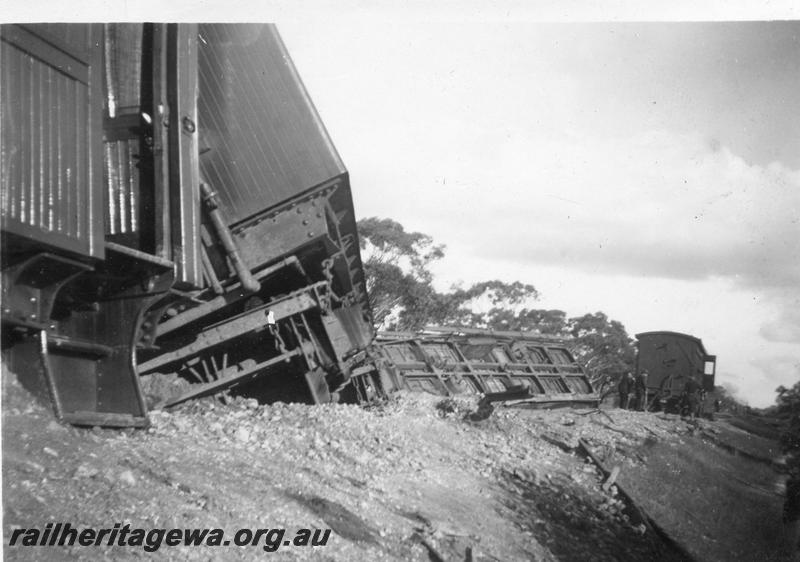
[176,221]
[514,367]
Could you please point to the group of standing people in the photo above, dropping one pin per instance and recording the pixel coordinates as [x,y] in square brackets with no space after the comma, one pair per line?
[633,395]
[636,385]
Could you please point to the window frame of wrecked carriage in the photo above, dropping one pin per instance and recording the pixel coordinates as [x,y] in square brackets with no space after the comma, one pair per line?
[227,255]
[517,368]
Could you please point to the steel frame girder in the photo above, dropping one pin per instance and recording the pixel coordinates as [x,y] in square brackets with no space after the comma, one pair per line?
[204,389]
[290,305]
[232,293]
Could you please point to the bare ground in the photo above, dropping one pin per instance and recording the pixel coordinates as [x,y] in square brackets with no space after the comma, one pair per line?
[412,479]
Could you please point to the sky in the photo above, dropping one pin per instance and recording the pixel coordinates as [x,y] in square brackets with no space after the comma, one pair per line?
[650,171]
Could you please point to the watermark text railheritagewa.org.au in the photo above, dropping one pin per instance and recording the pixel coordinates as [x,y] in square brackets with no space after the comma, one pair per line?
[150,540]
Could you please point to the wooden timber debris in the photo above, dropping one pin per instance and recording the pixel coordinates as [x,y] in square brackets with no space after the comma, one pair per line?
[611,478]
[606,414]
[636,513]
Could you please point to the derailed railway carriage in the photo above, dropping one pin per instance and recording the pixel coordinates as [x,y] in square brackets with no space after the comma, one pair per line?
[172,207]
[524,368]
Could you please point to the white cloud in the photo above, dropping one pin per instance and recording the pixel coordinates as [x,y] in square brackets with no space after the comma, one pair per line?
[785,325]
[659,204]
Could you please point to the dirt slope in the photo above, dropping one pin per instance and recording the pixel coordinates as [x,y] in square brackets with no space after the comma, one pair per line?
[413,479]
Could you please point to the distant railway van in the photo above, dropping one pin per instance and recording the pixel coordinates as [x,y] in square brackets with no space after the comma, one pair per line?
[671,359]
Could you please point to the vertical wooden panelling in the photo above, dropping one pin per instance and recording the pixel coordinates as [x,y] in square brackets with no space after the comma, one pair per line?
[36,132]
[46,139]
[92,105]
[122,186]
[46,148]
[5,195]
[81,163]
[59,189]
[71,156]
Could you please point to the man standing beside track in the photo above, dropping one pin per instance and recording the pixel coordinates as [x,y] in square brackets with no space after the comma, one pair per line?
[625,387]
[692,398]
[640,390]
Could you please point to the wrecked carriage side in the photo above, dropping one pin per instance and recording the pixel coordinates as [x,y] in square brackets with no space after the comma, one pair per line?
[513,367]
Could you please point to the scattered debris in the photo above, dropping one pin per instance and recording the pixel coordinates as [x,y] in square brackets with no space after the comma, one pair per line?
[411,478]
